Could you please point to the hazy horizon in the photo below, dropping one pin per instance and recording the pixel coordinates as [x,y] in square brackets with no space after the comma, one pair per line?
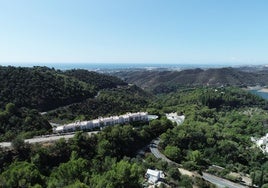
[127,66]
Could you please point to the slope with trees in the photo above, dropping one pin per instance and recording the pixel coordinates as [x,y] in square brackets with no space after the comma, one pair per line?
[99,81]
[25,91]
[218,129]
[21,122]
[170,81]
[103,160]
[109,102]
[44,89]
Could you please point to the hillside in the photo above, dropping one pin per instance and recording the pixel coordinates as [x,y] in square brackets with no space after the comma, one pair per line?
[64,95]
[45,89]
[99,81]
[217,130]
[22,123]
[167,81]
[108,102]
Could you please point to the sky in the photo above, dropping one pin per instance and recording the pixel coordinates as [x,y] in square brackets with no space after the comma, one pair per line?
[134,31]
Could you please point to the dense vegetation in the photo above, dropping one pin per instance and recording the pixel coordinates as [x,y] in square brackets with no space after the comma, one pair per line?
[99,81]
[102,160]
[219,124]
[43,88]
[217,130]
[21,122]
[73,94]
[107,102]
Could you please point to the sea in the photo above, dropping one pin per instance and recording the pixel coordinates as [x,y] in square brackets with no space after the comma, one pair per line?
[264,95]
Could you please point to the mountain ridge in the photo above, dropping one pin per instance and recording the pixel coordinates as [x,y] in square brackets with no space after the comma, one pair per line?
[167,81]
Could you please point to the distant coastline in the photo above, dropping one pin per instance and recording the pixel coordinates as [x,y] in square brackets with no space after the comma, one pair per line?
[263,90]
[107,67]
[260,91]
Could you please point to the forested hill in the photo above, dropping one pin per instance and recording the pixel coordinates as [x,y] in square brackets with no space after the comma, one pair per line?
[64,95]
[99,81]
[108,102]
[43,88]
[167,81]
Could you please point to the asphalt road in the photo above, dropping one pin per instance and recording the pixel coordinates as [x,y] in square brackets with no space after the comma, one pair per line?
[154,143]
[219,182]
[154,149]
[46,138]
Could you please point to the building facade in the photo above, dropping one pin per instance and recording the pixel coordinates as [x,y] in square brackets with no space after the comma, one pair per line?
[102,122]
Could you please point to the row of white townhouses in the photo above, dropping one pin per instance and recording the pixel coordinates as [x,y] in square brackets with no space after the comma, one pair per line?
[102,122]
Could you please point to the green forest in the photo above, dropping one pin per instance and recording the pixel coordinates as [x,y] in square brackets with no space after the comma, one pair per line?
[44,89]
[219,123]
[217,131]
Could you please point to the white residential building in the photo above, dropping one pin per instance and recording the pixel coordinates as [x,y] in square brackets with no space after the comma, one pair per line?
[96,123]
[154,175]
[262,143]
[102,122]
[174,117]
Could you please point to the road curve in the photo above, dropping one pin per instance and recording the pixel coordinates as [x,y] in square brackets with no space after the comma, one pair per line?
[219,182]
[154,149]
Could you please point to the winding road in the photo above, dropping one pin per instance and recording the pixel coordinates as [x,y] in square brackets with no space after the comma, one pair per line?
[219,182]
[154,149]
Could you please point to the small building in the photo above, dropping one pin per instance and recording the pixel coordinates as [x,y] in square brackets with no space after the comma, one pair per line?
[175,118]
[59,129]
[262,143]
[154,176]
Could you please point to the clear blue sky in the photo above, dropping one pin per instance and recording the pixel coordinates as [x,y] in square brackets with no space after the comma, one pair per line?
[134,31]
